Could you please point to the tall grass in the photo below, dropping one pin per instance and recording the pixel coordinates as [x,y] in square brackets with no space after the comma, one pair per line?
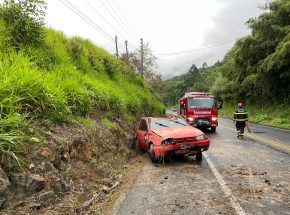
[277,116]
[62,78]
[12,138]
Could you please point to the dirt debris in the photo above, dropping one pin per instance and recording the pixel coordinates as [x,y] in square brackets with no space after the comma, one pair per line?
[249,184]
[107,189]
[66,175]
[244,170]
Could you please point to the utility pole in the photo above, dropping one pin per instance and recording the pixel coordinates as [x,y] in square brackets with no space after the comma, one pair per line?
[127,53]
[141,69]
[116,41]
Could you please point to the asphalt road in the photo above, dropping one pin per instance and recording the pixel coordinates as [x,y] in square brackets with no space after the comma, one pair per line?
[249,176]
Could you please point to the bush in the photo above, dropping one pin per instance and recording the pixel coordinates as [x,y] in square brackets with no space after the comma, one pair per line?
[24,22]
[278,121]
[261,117]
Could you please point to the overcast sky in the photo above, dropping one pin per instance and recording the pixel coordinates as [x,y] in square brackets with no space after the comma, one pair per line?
[208,28]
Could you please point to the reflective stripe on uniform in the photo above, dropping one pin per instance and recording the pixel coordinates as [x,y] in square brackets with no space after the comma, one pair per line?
[242,113]
[241,120]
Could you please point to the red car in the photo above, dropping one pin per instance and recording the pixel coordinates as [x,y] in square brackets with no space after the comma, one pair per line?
[164,136]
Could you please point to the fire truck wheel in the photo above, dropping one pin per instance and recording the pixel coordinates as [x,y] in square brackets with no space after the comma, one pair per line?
[152,154]
[199,157]
[213,128]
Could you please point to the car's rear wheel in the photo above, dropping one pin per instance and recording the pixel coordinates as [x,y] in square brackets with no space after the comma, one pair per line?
[152,154]
[213,128]
[199,157]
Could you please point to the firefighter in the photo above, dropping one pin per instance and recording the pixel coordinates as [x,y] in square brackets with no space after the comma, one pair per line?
[240,118]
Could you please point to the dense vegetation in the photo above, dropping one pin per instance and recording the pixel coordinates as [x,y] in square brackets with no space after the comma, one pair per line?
[257,67]
[197,79]
[49,78]
[256,70]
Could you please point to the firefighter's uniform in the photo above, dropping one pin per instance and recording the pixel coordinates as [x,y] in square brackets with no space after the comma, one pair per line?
[240,118]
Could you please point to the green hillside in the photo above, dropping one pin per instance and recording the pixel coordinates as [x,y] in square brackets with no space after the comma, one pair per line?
[55,79]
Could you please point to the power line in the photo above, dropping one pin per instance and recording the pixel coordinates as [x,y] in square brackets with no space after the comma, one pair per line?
[69,5]
[124,21]
[132,46]
[97,12]
[195,50]
[91,23]
[86,17]
[124,18]
[117,21]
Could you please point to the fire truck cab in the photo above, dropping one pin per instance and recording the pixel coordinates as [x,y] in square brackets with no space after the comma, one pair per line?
[200,109]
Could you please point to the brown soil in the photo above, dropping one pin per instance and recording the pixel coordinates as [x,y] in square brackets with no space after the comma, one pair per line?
[76,163]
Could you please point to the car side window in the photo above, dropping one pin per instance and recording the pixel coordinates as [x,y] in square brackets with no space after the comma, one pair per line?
[143,126]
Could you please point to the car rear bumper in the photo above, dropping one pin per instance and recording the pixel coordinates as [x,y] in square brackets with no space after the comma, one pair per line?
[181,148]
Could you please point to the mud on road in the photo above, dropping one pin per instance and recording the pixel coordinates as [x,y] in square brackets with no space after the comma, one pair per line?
[181,186]
[257,175]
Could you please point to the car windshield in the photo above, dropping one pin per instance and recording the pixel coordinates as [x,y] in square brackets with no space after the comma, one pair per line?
[156,123]
[201,102]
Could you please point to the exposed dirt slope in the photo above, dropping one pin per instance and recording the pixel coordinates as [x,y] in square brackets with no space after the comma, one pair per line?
[75,173]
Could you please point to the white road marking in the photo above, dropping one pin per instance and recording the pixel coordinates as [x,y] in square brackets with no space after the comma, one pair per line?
[263,139]
[270,127]
[227,191]
[259,125]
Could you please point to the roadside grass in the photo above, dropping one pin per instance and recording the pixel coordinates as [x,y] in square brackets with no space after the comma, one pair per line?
[11,139]
[276,116]
[65,79]
[87,122]
[106,122]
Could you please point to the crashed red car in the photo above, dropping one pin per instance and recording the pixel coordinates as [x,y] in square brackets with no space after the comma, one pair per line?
[164,136]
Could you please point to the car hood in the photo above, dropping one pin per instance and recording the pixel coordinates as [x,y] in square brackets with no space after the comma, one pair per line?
[178,132]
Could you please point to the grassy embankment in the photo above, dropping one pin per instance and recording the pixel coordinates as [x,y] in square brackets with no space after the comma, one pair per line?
[64,80]
[276,116]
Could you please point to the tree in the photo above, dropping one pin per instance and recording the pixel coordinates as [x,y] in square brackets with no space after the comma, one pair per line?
[150,74]
[194,79]
[257,68]
[193,69]
[24,21]
[204,65]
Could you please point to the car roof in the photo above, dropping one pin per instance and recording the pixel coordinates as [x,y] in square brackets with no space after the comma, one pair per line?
[162,118]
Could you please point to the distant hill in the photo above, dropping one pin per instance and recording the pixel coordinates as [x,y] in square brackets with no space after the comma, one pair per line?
[177,78]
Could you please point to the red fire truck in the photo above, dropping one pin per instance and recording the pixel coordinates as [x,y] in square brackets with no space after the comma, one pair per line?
[200,109]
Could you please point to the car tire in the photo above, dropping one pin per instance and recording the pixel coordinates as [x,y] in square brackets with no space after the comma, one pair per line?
[213,128]
[152,154]
[199,157]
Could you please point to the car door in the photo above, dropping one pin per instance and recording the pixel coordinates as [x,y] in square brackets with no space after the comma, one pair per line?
[142,134]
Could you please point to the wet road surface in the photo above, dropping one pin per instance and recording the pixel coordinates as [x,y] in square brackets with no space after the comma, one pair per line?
[249,176]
